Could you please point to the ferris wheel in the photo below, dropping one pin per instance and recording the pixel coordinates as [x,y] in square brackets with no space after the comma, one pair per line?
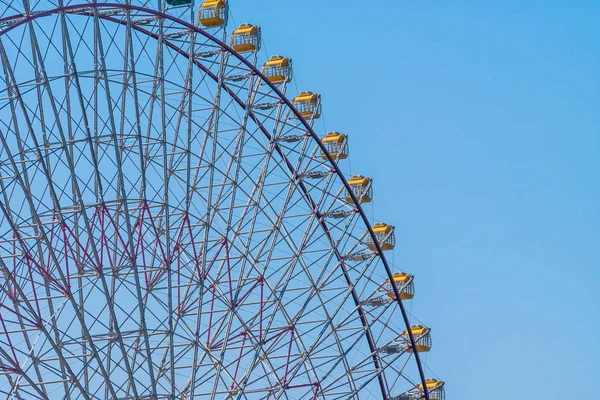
[173,227]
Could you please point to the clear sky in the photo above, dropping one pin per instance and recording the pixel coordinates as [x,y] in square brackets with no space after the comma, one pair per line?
[480,124]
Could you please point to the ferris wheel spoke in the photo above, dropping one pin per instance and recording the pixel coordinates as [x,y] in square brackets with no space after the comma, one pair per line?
[345,234]
[211,131]
[203,250]
[236,157]
[319,341]
[294,318]
[46,174]
[348,294]
[10,362]
[16,385]
[188,92]
[188,85]
[302,152]
[246,330]
[34,310]
[142,305]
[26,325]
[9,292]
[259,185]
[176,160]
[130,73]
[268,324]
[209,198]
[41,76]
[13,360]
[222,186]
[159,75]
[120,193]
[197,331]
[70,69]
[263,359]
[221,152]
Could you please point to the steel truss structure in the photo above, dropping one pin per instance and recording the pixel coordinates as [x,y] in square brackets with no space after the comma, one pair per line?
[169,226]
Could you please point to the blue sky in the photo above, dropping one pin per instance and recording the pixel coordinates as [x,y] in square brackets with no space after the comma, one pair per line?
[480,124]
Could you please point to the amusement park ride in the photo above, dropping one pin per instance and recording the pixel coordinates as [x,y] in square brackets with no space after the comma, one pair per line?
[173,227]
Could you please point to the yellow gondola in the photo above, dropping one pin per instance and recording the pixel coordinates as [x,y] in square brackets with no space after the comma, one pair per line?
[422,337]
[361,187]
[278,70]
[435,389]
[404,283]
[336,144]
[308,105]
[212,13]
[385,236]
[246,38]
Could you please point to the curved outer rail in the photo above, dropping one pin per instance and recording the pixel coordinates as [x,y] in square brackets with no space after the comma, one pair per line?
[81,10]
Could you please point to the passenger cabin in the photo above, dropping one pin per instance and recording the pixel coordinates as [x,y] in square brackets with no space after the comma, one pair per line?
[404,283]
[278,70]
[212,13]
[362,189]
[246,38]
[336,144]
[435,389]
[422,337]
[308,105]
[176,3]
[385,237]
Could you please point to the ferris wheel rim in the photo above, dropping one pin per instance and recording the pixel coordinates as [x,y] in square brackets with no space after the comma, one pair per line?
[80,10]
